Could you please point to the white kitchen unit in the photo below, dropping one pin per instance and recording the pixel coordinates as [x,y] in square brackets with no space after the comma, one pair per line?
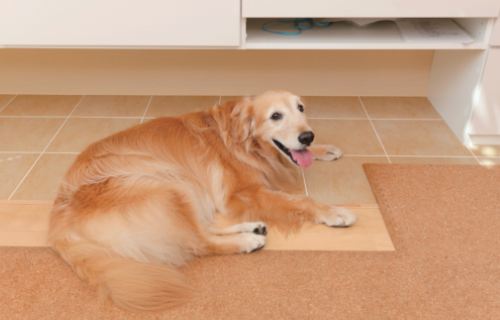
[368,8]
[485,124]
[383,35]
[231,24]
[495,40]
[119,24]
[463,75]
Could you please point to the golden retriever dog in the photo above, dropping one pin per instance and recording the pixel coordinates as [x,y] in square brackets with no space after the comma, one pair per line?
[136,206]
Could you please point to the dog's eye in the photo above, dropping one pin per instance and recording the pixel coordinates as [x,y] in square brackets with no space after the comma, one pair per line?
[276,116]
[301,108]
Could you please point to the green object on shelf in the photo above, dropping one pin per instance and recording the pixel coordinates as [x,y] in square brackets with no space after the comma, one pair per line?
[300,24]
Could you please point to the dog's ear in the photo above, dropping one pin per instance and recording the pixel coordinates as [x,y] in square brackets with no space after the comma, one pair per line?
[242,119]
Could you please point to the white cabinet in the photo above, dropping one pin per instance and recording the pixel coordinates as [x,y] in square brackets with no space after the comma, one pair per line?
[485,126]
[495,40]
[120,23]
[370,8]
[383,35]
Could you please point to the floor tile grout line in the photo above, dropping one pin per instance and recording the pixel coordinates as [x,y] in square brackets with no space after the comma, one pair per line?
[39,156]
[144,117]
[96,117]
[424,156]
[364,155]
[305,184]
[61,152]
[383,119]
[67,118]
[49,202]
[366,119]
[404,156]
[375,130]
[64,117]
[5,106]
[473,154]
[46,147]
[345,155]
[23,152]
[147,107]
[35,117]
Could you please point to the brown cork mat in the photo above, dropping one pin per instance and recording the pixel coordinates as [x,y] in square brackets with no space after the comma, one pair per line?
[444,222]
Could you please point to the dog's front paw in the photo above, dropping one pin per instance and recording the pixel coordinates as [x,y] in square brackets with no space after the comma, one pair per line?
[325,153]
[255,227]
[251,242]
[338,217]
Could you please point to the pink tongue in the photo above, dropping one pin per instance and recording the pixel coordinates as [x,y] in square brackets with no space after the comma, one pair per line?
[303,157]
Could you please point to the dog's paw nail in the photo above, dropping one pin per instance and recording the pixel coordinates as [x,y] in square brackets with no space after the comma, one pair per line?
[262,230]
[256,249]
[341,218]
[331,154]
[259,228]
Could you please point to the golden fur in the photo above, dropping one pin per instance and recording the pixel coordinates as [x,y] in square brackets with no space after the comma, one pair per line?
[139,204]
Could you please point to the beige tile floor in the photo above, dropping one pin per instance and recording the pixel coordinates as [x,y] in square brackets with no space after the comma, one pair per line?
[40,136]
[366,129]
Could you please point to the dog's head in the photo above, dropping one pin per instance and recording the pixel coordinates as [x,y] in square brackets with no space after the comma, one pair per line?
[277,117]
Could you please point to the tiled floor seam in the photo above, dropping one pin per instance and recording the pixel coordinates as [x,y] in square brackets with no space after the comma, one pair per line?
[5,106]
[147,107]
[49,202]
[424,156]
[305,183]
[144,117]
[384,119]
[345,155]
[35,117]
[41,154]
[64,117]
[473,154]
[375,130]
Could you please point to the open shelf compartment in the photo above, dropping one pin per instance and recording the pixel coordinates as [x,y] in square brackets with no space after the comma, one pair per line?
[342,35]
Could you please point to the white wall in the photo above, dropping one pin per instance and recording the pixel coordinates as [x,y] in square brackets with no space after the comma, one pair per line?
[214,72]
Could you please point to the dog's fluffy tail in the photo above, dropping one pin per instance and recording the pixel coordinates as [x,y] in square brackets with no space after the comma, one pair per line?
[134,285]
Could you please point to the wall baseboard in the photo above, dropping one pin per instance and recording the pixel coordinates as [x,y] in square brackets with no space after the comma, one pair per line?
[485,139]
[215,72]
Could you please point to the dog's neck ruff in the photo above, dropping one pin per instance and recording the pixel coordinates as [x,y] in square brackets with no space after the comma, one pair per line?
[278,172]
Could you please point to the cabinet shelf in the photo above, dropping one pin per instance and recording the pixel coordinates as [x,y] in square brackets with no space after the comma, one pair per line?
[382,35]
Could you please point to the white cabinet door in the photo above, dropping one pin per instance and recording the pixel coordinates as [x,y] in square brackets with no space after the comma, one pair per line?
[486,119]
[119,23]
[370,8]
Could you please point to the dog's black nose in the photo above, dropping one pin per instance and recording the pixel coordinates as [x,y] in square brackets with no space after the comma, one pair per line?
[306,137]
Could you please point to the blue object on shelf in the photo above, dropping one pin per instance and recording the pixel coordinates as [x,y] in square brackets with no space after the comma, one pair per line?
[298,23]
